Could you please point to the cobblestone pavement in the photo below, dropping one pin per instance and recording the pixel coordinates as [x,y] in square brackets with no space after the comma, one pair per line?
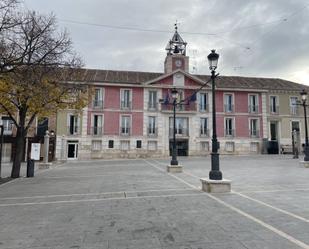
[136,204]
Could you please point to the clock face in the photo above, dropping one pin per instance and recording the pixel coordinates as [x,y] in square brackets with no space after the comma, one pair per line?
[178,63]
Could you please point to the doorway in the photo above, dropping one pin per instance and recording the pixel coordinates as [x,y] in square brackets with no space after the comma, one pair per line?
[182,147]
[273,145]
[72,150]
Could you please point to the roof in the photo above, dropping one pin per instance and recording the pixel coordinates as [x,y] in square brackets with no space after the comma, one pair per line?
[138,78]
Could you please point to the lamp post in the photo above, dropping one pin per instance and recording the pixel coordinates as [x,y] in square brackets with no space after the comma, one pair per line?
[174,151]
[215,173]
[1,144]
[304,100]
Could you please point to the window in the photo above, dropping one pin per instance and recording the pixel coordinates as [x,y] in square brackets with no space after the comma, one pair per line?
[274,108]
[138,144]
[42,126]
[152,104]
[152,145]
[254,132]
[97,125]
[181,127]
[253,103]
[204,146]
[228,103]
[229,131]
[293,106]
[295,126]
[96,145]
[203,102]
[179,99]
[110,144]
[98,97]
[203,127]
[73,124]
[152,127]
[125,125]
[7,125]
[125,99]
[124,145]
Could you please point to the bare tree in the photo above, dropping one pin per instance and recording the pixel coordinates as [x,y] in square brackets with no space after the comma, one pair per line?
[36,63]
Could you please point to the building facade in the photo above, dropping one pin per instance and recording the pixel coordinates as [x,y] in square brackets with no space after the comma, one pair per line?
[129,114]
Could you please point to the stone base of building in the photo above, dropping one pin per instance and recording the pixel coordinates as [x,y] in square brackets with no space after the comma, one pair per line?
[216,186]
[304,164]
[174,168]
[44,165]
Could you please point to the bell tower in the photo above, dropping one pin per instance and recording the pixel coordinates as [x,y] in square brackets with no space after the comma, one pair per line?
[176,54]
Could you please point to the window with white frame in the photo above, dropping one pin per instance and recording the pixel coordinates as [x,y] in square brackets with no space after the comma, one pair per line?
[7,125]
[125,125]
[152,126]
[228,102]
[73,127]
[96,145]
[203,102]
[124,145]
[254,131]
[181,126]
[293,105]
[98,98]
[152,104]
[204,127]
[97,124]
[229,127]
[204,146]
[125,98]
[152,145]
[253,103]
[274,108]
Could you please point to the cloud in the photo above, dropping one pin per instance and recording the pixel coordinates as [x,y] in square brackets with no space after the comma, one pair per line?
[252,37]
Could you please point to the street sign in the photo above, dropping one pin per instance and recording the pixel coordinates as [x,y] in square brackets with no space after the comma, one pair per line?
[35,151]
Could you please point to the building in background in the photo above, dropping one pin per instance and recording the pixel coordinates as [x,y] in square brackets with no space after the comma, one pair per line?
[129,115]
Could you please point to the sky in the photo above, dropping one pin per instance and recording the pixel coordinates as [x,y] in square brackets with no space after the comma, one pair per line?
[255,38]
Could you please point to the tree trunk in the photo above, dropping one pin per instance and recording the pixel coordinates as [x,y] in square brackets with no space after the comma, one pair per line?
[20,146]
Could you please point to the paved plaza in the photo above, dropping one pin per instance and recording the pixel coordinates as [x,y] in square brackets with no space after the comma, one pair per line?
[136,204]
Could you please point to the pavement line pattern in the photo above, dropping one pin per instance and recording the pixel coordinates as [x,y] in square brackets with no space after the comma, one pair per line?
[98,193]
[274,191]
[95,200]
[262,223]
[262,203]
[270,206]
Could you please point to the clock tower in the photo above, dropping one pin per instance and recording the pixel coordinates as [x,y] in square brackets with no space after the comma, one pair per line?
[176,54]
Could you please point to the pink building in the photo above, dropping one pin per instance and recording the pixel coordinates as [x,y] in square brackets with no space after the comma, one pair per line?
[130,113]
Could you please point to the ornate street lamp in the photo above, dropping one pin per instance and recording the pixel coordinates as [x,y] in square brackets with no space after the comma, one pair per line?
[174,151]
[304,100]
[215,173]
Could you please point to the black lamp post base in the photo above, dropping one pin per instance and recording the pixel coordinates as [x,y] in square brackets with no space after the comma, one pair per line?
[174,162]
[306,152]
[215,175]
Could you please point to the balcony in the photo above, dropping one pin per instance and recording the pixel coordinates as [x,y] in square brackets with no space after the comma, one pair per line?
[73,130]
[97,103]
[254,133]
[180,132]
[274,109]
[229,133]
[126,105]
[191,107]
[152,106]
[294,110]
[253,108]
[125,131]
[152,132]
[228,108]
[204,132]
[204,108]
[96,130]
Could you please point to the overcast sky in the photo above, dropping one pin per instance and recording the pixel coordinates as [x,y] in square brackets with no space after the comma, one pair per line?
[259,38]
